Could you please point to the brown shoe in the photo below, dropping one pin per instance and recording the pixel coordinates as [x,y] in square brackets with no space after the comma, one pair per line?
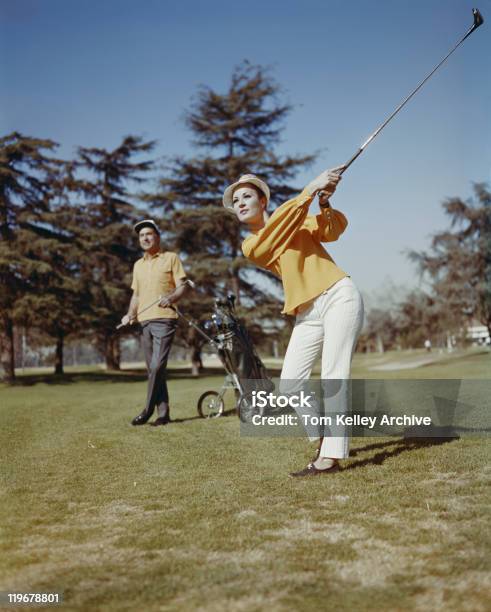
[311,470]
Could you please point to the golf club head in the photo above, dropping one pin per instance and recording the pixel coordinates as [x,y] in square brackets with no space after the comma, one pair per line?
[478,19]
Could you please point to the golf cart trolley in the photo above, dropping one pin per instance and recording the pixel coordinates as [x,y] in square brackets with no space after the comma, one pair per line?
[233,345]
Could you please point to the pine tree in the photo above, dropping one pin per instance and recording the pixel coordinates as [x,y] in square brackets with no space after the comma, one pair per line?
[54,302]
[237,132]
[459,262]
[420,316]
[24,192]
[109,240]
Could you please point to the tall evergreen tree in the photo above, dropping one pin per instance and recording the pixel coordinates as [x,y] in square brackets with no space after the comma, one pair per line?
[459,262]
[109,241]
[237,132]
[54,301]
[25,169]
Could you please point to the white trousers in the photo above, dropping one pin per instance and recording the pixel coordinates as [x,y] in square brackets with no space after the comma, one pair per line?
[332,324]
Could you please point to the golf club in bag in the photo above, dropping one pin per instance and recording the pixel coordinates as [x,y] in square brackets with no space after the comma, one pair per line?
[478,20]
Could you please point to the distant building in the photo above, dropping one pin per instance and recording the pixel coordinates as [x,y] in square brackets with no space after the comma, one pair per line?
[478,334]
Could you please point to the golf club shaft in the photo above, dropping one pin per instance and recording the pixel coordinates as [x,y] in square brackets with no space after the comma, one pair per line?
[142,310]
[478,20]
[186,282]
[194,325]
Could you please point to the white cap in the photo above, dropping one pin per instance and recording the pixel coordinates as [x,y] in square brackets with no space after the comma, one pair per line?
[245,178]
[146,223]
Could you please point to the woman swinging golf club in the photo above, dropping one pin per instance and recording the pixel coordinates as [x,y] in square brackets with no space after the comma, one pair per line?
[327,305]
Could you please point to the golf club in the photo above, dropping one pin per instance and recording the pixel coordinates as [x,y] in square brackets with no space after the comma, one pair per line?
[478,20]
[142,310]
[186,282]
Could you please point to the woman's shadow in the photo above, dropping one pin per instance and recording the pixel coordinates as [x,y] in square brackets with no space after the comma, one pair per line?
[397,447]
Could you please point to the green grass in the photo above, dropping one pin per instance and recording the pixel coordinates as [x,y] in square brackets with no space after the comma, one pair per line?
[470,363]
[194,517]
[462,363]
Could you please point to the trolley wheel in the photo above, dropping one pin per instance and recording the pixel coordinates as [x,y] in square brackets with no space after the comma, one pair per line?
[210,405]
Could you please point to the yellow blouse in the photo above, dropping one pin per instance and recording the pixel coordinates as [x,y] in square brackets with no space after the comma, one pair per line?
[289,246]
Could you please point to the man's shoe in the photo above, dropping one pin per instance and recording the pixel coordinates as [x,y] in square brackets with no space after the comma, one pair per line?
[311,470]
[141,419]
[160,421]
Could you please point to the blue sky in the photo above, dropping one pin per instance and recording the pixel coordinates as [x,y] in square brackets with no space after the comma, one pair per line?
[88,73]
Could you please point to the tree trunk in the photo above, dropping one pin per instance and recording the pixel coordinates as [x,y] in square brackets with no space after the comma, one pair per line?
[236,287]
[488,327]
[7,349]
[380,344]
[196,345]
[449,343]
[196,361]
[112,353]
[59,353]
[116,344]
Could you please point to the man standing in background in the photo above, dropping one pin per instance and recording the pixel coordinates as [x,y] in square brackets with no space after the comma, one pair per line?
[157,273]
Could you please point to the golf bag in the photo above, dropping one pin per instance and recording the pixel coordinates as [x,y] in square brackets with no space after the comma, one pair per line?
[236,351]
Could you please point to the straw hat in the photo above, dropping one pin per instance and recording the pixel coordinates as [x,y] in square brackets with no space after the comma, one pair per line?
[245,178]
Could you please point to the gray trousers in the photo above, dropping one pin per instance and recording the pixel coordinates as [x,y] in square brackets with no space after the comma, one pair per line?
[157,336]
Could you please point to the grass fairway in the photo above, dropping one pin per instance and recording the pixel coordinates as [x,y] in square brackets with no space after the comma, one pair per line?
[193,517]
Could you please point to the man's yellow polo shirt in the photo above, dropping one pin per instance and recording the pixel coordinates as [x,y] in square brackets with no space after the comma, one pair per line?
[155,275]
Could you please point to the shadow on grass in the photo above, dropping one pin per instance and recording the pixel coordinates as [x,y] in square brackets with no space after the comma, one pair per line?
[395,448]
[29,380]
[123,376]
[225,413]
